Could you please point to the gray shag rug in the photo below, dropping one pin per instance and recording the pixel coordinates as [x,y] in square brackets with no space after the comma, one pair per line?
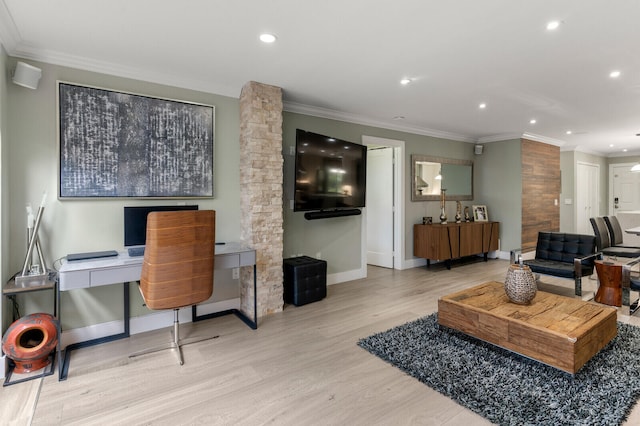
[509,389]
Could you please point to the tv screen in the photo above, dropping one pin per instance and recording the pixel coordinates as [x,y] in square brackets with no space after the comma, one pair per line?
[330,173]
[135,222]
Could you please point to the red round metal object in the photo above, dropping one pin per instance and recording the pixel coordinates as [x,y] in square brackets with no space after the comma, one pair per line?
[30,340]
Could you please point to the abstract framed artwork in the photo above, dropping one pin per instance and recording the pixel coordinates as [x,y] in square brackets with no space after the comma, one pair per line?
[117,145]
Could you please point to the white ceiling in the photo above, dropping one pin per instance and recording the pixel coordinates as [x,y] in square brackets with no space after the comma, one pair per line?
[345,58]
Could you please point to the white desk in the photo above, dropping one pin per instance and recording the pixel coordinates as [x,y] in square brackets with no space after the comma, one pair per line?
[124,269]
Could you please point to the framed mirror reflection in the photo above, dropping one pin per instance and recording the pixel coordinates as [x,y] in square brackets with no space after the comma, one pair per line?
[430,175]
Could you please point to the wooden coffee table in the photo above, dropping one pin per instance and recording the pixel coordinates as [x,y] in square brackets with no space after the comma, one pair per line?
[559,331]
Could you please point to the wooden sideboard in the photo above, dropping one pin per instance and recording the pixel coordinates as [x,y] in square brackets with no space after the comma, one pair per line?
[454,240]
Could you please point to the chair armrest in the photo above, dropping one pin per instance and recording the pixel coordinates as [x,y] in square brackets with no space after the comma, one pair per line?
[626,272]
[577,262]
[514,255]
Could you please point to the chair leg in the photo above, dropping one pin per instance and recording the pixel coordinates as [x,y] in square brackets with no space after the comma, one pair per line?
[176,336]
[578,286]
[175,343]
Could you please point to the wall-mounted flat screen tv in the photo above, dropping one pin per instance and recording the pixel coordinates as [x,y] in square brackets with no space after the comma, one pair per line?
[330,173]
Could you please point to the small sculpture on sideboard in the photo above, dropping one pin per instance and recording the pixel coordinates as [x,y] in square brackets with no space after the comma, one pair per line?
[443,213]
[458,211]
[467,218]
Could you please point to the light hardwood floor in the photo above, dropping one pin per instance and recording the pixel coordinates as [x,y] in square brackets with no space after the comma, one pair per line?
[301,367]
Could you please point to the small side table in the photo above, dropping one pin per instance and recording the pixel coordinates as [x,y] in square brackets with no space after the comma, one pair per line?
[10,290]
[610,277]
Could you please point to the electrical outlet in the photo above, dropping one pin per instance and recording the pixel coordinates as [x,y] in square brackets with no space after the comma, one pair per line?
[318,255]
[235,274]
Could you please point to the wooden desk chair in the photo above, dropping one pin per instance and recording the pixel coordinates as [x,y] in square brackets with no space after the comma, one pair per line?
[178,266]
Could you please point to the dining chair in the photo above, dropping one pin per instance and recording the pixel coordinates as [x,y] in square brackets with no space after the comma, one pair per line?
[603,241]
[630,282]
[615,232]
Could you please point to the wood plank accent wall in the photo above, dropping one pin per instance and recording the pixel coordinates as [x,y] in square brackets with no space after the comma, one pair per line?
[540,188]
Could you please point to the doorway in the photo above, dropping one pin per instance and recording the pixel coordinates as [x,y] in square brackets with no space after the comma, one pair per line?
[587,196]
[383,224]
[623,189]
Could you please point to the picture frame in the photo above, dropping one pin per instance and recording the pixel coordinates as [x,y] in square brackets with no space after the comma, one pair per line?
[114,144]
[480,213]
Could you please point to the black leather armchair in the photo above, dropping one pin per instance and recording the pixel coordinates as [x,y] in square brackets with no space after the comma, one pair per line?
[563,255]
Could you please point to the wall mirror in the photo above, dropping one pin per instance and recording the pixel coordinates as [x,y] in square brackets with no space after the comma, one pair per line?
[429,175]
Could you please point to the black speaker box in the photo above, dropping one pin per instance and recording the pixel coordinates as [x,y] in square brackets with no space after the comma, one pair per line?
[305,280]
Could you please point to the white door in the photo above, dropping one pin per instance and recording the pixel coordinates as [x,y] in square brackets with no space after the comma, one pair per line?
[625,195]
[587,196]
[380,207]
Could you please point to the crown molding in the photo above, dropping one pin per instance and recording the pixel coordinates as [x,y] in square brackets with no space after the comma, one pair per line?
[529,136]
[103,67]
[367,121]
[499,137]
[633,153]
[9,35]
[544,139]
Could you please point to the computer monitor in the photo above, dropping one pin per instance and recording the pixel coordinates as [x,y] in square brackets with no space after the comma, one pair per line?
[135,222]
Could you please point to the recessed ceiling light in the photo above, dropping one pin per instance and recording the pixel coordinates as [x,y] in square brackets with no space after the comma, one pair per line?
[267,38]
[399,117]
[405,81]
[624,150]
[482,106]
[533,121]
[568,132]
[614,74]
[553,25]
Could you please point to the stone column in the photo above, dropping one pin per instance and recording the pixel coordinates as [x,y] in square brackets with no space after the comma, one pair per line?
[261,165]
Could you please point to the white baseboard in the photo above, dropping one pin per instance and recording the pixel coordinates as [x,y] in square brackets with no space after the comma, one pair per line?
[342,277]
[152,321]
[416,262]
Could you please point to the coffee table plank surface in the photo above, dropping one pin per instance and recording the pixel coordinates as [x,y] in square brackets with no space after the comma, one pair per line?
[556,330]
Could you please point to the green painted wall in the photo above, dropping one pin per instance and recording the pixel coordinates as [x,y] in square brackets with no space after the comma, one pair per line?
[339,239]
[29,160]
[90,225]
[4,192]
[498,178]
[567,191]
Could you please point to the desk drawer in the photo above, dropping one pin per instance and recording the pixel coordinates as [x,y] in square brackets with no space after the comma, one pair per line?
[248,258]
[227,261]
[74,279]
[116,275]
